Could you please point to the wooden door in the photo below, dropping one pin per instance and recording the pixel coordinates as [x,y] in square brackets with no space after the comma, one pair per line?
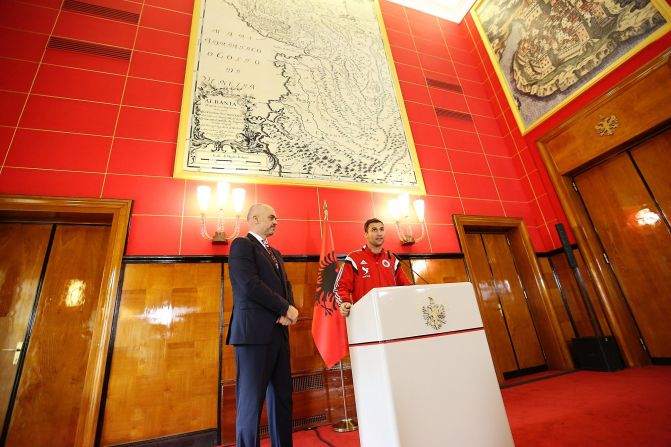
[512,297]
[495,325]
[511,333]
[627,199]
[653,160]
[23,247]
[49,390]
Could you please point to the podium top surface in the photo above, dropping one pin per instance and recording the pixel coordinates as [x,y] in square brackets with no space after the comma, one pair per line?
[394,313]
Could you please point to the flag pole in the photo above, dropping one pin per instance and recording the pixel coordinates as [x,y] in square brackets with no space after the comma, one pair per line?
[346,424]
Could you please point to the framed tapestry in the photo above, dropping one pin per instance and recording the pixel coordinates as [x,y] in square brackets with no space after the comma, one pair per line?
[546,52]
[299,92]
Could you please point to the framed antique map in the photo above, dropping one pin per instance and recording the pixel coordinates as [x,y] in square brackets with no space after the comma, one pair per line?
[546,52]
[294,91]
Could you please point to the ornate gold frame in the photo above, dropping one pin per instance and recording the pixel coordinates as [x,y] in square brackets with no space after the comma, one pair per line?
[187,98]
[661,6]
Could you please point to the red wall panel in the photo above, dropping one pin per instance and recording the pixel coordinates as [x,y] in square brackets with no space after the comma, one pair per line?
[166,20]
[43,182]
[59,151]
[31,47]
[6,134]
[139,157]
[16,75]
[59,114]
[12,104]
[157,66]
[78,84]
[27,17]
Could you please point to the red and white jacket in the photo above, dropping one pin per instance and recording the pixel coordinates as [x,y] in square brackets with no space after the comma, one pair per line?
[364,270]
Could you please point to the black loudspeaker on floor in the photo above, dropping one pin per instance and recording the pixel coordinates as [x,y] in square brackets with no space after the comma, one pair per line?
[596,353]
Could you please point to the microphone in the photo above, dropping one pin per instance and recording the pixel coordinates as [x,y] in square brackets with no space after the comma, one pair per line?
[411,269]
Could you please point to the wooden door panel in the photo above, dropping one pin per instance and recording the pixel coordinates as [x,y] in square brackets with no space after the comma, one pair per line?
[571,293]
[438,271]
[304,354]
[23,248]
[481,276]
[574,299]
[46,409]
[509,289]
[591,292]
[558,298]
[303,278]
[653,159]
[164,375]
[640,253]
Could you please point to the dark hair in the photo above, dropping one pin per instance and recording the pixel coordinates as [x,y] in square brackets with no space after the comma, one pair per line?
[369,222]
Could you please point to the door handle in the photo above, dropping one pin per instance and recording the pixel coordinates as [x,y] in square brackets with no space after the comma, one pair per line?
[17,352]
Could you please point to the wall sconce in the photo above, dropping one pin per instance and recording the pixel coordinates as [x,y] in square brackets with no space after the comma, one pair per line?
[238,197]
[400,210]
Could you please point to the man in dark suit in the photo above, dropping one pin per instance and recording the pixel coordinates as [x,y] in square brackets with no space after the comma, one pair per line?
[263,307]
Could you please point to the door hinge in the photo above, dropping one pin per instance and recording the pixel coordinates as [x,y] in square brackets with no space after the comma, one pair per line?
[645,348]
[605,257]
[575,187]
[526,297]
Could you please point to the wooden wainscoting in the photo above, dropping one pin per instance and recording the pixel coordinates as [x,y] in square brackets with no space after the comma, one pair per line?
[641,104]
[165,362]
[149,401]
[438,270]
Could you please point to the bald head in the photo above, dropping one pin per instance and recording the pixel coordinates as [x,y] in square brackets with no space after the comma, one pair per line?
[262,220]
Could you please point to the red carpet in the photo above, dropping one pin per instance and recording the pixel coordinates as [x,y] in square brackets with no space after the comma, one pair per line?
[629,408]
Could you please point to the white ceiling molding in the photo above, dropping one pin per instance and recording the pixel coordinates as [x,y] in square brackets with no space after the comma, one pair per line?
[452,10]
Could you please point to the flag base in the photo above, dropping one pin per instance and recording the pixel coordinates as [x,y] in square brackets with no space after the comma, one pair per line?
[346,425]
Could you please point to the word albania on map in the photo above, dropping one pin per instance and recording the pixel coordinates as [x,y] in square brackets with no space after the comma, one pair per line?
[295,91]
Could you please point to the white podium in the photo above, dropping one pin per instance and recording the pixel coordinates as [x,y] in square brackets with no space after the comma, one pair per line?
[423,375]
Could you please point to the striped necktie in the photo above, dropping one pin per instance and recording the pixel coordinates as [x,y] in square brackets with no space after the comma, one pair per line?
[272,255]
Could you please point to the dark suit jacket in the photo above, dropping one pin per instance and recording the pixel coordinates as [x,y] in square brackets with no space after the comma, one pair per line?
[261,293]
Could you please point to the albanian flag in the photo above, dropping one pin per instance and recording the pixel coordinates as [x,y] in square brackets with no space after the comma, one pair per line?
[328,326]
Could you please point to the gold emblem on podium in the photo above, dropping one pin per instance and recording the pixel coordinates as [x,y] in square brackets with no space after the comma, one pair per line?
[434,314]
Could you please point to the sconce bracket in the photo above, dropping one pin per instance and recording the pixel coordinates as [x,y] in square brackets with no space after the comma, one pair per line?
[407,240]
[219,238]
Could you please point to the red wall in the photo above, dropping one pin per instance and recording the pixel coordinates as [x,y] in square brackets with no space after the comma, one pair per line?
[79,125]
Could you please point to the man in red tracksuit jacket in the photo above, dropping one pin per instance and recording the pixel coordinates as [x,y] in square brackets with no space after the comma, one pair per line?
[367,268]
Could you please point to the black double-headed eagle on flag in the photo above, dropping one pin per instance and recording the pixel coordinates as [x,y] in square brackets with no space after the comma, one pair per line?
[326,278]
